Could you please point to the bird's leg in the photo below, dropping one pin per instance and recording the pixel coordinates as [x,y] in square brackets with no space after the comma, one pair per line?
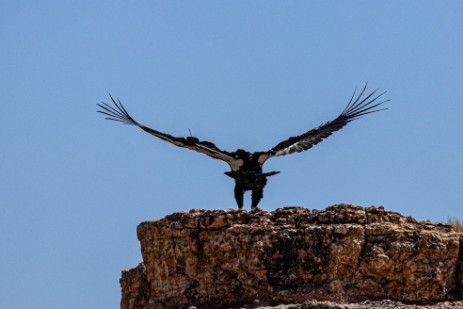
[239,193]
[258,191]
[257,195]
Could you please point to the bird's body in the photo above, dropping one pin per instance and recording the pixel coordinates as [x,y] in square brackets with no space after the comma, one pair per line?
[249,177]
[246,167]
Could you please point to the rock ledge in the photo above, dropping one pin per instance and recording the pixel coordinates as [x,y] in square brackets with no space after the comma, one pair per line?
[343,254]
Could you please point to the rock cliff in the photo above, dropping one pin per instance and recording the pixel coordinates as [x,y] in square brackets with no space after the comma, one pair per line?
[343,254]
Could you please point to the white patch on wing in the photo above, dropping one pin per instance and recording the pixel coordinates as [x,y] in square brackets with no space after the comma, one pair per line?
[263,157]
[236,164]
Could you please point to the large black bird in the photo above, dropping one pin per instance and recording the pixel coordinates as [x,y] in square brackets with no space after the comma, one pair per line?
[246,167]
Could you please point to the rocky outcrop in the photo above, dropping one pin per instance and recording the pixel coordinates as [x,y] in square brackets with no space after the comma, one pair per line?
[346,254]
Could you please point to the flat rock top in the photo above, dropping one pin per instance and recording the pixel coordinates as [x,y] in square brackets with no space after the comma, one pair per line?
[292,216]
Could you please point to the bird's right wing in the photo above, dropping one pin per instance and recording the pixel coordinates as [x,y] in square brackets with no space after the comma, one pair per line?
[118,113]
[355,109]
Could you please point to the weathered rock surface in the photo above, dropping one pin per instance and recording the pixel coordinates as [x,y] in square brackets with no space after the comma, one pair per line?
[343,254]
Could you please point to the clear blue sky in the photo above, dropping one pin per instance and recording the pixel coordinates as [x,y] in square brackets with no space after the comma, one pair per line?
[243,74]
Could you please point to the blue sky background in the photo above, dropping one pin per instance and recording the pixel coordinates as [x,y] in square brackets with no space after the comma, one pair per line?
[243,74]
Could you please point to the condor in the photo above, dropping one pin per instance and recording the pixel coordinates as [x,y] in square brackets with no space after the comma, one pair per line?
[246,167]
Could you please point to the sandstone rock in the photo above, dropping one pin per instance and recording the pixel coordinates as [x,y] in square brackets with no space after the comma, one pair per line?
[345,254]
[135,287]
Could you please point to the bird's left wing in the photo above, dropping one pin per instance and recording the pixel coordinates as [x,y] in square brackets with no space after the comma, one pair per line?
[355,109]
[118,113]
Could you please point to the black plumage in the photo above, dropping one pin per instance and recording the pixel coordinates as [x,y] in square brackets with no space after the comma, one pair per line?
[246,167]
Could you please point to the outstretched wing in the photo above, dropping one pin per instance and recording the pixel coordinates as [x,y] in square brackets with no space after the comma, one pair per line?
[118,113]
[355,109]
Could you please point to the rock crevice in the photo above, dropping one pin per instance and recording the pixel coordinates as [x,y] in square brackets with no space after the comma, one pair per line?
[344,253]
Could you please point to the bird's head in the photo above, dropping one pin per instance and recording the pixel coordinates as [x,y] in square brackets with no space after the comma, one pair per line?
[241,154]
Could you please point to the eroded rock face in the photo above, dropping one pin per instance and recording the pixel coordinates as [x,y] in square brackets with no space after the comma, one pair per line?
[230,258]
